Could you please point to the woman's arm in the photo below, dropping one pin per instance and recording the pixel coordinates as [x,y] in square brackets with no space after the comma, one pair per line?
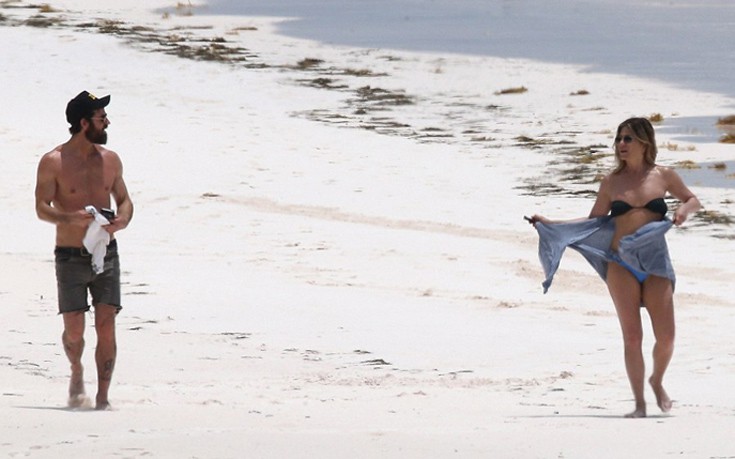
[689,202]
[599,209]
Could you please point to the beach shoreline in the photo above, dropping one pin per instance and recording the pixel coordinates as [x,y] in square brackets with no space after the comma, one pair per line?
[345,269]
[602,36]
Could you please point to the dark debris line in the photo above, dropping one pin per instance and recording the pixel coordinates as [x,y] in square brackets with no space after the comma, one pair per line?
[575,171]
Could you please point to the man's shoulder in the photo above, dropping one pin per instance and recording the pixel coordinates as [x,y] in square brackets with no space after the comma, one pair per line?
[105,152]
[51,157]
[56,151]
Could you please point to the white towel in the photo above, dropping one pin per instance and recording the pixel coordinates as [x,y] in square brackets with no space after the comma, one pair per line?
[97,239]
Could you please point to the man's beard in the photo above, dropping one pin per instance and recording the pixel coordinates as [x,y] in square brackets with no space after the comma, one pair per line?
[95,135]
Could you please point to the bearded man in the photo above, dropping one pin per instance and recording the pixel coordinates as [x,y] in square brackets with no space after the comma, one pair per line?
[74,186]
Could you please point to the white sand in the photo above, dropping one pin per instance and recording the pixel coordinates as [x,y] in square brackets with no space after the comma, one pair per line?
[294,288]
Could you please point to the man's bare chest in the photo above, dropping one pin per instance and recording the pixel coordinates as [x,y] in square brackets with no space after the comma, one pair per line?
[83,181]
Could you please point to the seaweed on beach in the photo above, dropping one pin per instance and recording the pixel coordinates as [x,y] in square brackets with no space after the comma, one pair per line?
[591,155]
[185,9]
[380,125]
[480,138]
[324,83]
[111,27]
[42,21]
[529,142]
[727,138]
[180,44]
[431,133]
[375,362]
[573,168]
[534,187]
[656,118]
[579,174]
[12,4]
[361,73]
[384,124]
[207,52]
[514,90]
[379,96]
[675,147]
[180,9]
[713,216]
[46,8]
[308,63]
[687,164]
[314,64]
[245,29]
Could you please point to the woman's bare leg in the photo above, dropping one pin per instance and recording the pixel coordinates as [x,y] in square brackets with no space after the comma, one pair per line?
[658,298]
[626,295]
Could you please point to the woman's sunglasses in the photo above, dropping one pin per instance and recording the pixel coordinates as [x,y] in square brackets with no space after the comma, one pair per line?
[626,139]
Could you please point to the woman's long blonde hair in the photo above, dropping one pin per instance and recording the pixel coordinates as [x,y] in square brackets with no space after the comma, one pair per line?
[643,132]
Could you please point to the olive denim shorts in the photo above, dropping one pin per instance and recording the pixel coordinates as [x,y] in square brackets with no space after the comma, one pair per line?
[74,278]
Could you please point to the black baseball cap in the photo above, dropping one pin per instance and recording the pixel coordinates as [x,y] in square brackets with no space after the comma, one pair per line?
[84,105]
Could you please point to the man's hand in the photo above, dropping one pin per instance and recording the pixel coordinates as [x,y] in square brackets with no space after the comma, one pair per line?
[116,224]
[80,218]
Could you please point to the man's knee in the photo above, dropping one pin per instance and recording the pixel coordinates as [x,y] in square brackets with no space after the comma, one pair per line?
[104,321]
[73,327]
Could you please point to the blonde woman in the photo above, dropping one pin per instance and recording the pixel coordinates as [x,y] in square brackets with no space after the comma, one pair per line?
[623,239]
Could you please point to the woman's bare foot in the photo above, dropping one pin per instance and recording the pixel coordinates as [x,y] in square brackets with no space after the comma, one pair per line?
[640,411]
[662,398]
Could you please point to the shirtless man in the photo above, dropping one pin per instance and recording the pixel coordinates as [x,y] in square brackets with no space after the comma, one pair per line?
[74,175]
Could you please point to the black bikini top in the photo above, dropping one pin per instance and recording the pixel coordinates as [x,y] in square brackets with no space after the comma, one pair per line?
[657,205]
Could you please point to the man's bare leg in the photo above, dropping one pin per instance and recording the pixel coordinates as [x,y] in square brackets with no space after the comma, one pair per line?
[73,340]
[106,353]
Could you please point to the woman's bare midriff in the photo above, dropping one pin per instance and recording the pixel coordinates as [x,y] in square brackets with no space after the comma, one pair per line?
[630,222]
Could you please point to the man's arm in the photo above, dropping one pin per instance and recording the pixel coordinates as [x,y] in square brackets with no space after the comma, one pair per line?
[122,200]
[46,188]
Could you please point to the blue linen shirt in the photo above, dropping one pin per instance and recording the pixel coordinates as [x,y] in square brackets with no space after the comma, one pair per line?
[645,250]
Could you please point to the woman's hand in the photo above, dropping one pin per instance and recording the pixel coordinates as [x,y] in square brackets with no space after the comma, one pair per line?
[682,212]
[537,218]
[680,216]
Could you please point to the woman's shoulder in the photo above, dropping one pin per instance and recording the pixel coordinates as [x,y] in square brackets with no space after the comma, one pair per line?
[610,179]
[666,172]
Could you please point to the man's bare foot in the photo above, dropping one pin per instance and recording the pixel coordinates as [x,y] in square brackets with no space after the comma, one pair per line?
[662,398]
[103,406]
[77,396]
[640,411]
[79,401]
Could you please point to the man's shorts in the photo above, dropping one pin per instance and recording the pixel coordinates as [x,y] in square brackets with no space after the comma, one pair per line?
[74,277]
